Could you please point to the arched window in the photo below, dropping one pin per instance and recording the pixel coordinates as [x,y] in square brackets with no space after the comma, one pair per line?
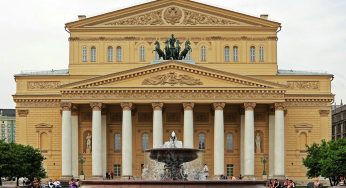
[117,143]
[145,141]
[142,54]
[235,53]
[201,141]
[261,54]
[93,54]
[84,54]
[252,54]
[110,54]
[226,54]
[203,54]
[119,54]
[229,142]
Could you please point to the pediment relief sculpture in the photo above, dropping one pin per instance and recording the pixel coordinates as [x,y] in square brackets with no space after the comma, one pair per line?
[171,16]
[172,79]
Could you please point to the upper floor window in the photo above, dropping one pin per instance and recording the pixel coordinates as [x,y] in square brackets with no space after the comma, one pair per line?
[229,142]
[84,54]
[119,54]
[110,54]
[235,53]
[226,54]
[261,54]
[203,54]
[201,141]
[145,141]
[117,143]
[142,53]
[93,54]
[252,54]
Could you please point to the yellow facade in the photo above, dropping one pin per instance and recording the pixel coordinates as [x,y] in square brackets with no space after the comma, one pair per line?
[306,96]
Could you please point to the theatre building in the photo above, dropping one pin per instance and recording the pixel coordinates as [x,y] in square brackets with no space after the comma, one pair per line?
[219,88]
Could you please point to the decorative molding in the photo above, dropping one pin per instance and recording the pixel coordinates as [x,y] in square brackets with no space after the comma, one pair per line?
[96,106]
[151,18]
[157,105]
[280,106]
[43,126]
[324,113]
[195,18]
[66,106]
[37,85]
[304,85]
[219,105]
[249,105]
[22,113]
[38,104]
[172,79]
[172,15]
[303,127]
[188,105]
[126,105]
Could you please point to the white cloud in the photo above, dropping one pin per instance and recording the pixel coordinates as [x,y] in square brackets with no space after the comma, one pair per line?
[313,36]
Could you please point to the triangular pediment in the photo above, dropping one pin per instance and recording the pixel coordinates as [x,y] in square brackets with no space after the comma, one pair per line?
[177,13]
[172,74]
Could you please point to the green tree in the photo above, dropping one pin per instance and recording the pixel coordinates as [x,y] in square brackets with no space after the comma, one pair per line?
[327,159]
[20,161]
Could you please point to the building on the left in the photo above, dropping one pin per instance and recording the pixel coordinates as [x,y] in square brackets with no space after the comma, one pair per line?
[8,125]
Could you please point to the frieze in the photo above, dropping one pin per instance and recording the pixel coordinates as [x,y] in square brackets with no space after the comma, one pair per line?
[151,18]
[172,79]
[304,85]
[306,103]
[43,84]
[194,18]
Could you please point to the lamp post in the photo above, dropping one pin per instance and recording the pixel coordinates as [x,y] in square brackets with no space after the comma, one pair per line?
[81,162]
[264,160]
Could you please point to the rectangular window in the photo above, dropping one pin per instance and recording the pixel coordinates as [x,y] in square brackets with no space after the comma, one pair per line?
[261,54]
[235,54]
[84,54]
[252,54]
[229,169]
[110,54]
[93,54]
[226,52]
[117,170]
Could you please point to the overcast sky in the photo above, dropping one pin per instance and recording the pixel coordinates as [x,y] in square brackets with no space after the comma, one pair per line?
[313,37]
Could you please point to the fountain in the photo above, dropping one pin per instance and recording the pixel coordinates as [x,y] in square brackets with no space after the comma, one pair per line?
[173,155]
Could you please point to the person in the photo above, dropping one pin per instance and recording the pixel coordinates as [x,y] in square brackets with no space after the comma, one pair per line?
[50,183]
[107,175]
[276,183]
[317,183]
[258,143]
[206,171]
[286,183]
[291,184]
[35,183]
[240,177]
[112,174]
[342,181]
[72,183]
[57,183]
[88,141]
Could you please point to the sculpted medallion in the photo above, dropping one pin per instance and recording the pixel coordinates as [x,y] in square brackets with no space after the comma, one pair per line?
[172,79]
[172,15]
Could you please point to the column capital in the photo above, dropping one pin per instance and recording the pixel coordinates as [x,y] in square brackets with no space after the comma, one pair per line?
[74,110]
[66,106]
[96,106]
[188,105]
[279,106]
[249,105]
[126,105]
[218,105]
[157,105]
[22,113]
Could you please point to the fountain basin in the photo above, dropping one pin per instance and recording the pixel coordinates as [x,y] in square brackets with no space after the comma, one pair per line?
[167,155]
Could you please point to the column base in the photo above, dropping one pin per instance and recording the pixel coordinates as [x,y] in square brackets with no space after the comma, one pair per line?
[249,177]
[279,177]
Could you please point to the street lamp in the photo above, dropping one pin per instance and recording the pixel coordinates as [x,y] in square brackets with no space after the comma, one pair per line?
[81,162]
[264,160]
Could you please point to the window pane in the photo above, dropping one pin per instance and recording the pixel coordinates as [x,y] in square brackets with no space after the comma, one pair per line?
[93,54]
[110,54]
[261,54]
[201,143]
[142,54]
[117,143]
[119,54]
[229,142]
[203,54]
[84,54]
[252,54]
[145,141]
[117,170]
[226,51]
[229,169]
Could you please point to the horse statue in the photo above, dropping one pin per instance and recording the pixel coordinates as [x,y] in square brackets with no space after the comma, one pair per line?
[186,50]
[177,49]
[168,53]
[159,51]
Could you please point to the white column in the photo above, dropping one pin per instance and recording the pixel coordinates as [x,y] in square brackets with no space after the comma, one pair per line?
[96,141]
[157,125]
[126,140]
[249,145]
[279,141]
[104,143]
[66,141]
[219,157]
[242,129]
[188,124]
[75,153]
[271,145]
